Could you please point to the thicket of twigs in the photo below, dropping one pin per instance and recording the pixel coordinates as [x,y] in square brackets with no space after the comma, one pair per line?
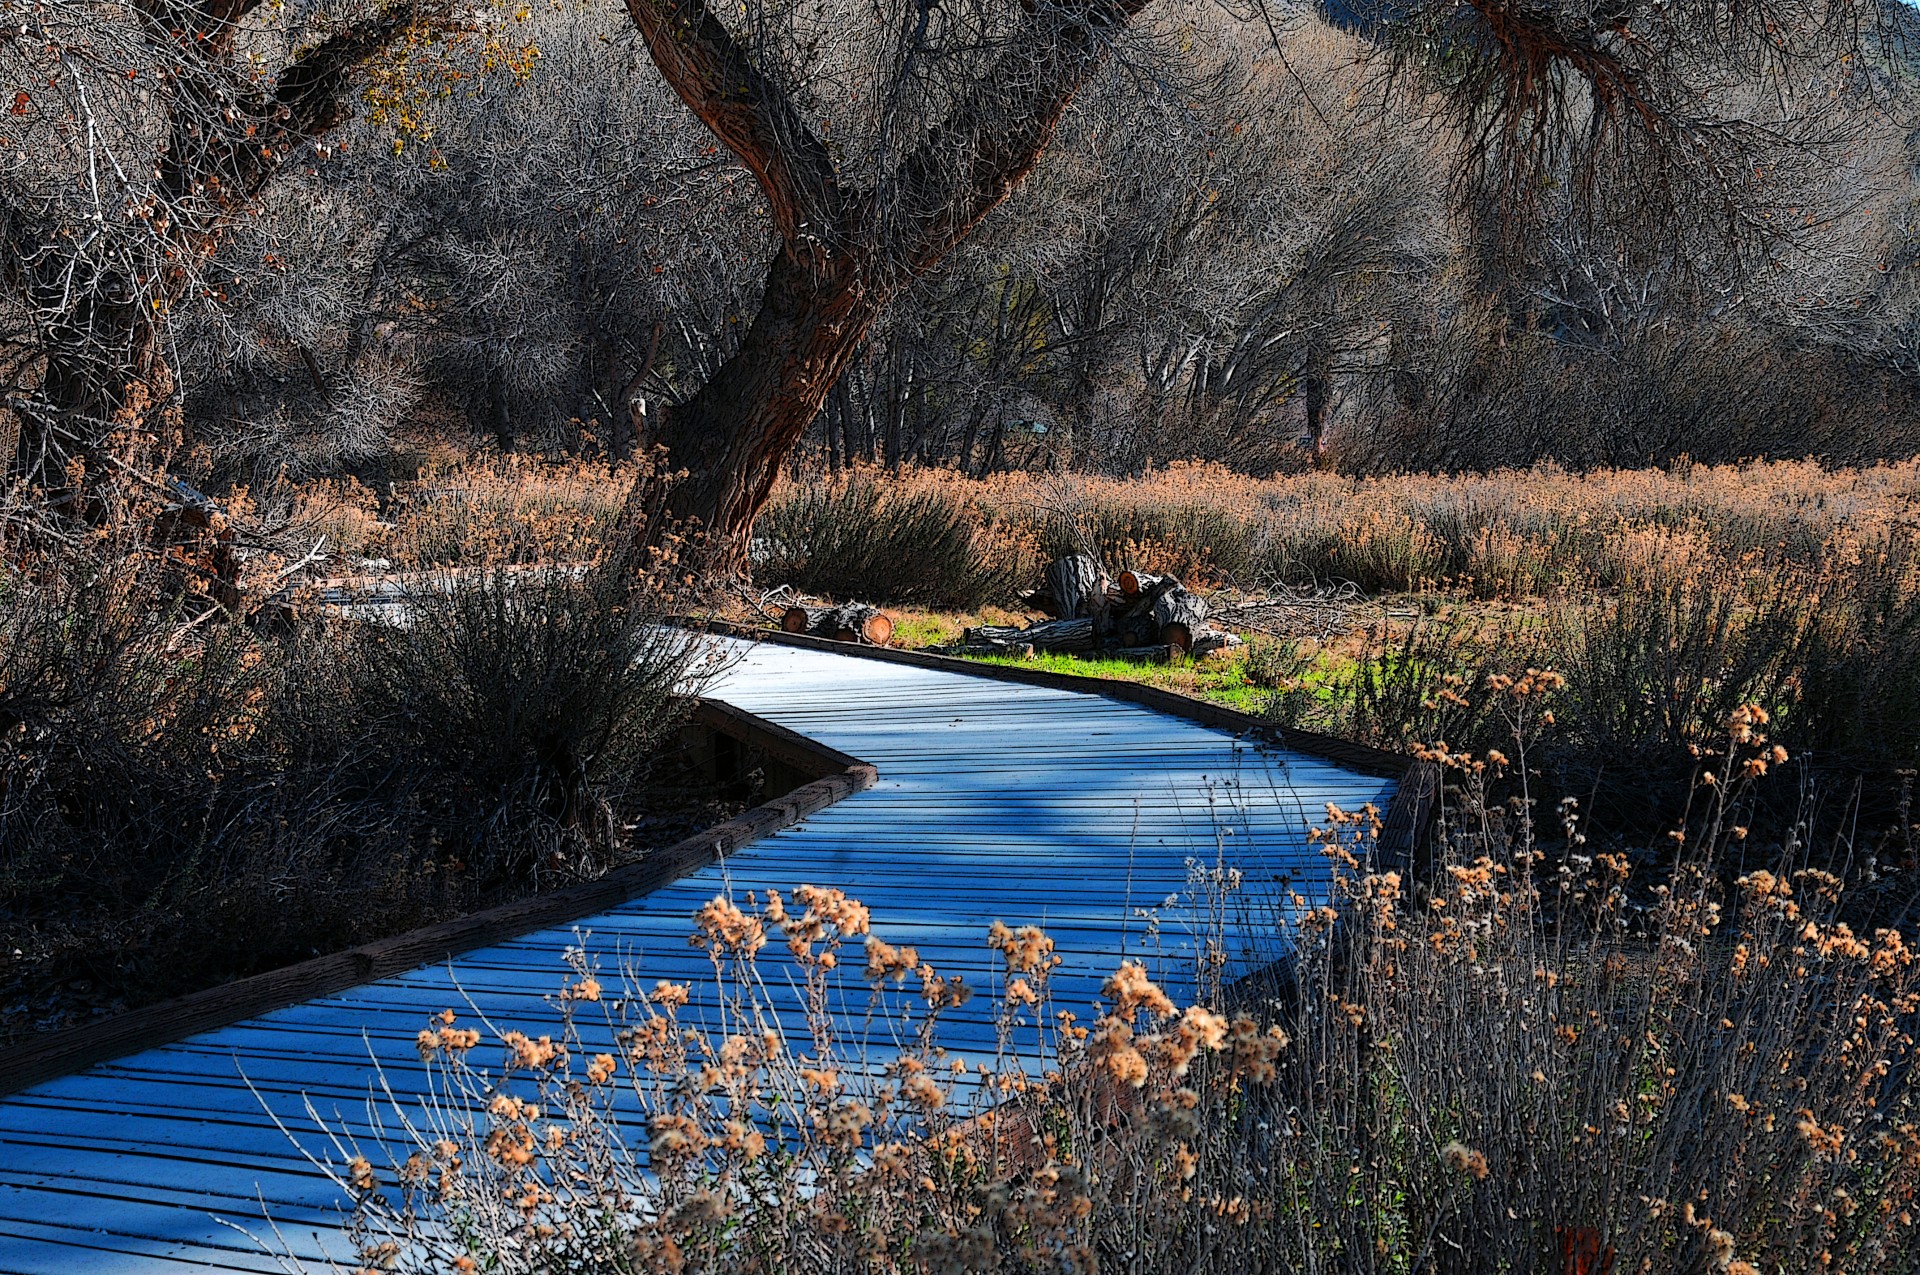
[186,798]
[1534,1059]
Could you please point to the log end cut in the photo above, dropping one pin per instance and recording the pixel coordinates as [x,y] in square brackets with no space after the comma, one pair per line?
[855,622]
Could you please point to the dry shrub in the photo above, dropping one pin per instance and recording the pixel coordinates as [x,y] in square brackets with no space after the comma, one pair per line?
[1653,669]
[1506,534]
[1515,1061]
[521,700]
[184,799]
[513,510]
[907,544]
[342,516]
[1422,681]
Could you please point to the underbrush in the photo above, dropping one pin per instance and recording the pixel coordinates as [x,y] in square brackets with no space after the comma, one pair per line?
[1652,669]
[858,539]
[1509,534]
[185,799]
[1528,1060]
[507,511]
[1665,597]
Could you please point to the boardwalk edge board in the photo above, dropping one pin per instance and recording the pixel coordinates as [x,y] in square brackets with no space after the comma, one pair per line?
[73,1049]
[1404,824]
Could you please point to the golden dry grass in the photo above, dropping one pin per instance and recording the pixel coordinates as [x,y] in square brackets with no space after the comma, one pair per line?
[1510,533]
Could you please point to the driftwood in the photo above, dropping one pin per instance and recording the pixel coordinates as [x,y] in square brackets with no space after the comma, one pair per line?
[854,622]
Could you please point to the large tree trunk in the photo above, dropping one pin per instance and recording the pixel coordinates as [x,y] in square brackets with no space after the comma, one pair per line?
[732,436]
[1317,384]
[844,251]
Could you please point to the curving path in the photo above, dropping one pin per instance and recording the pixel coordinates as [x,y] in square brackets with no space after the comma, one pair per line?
[995,800]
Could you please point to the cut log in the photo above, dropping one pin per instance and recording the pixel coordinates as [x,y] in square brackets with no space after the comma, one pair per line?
[857,622]
[799,619]
[1181,616]
[1077,586]
[1135,583]
[1134,623]
[1214,642]
[1021,649]
[1049,635]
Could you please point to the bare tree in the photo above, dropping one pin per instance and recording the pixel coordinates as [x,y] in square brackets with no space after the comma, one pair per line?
[142,133]
[1669,112]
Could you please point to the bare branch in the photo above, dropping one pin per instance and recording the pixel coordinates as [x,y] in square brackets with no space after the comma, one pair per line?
[750,114]
[998,130]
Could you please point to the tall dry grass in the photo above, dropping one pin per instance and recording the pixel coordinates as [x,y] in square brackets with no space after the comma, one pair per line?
[1510,533]
[1505,534]
[1530,1061]
[515,510]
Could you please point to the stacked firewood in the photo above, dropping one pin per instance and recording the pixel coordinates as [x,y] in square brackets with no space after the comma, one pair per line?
[1138,616]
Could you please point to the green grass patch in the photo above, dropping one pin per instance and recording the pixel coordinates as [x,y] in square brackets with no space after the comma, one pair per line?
[1222,681]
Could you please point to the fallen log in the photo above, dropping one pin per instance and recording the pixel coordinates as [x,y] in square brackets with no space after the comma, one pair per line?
[1020,649]
[857,622]
[854,622]
[1135,583]
[1049,635]
[1211,641]
[804,619]
[1133,621]
[1181,615]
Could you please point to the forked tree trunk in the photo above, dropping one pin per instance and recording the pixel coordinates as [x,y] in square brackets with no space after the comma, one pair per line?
[844,250]
[732,436]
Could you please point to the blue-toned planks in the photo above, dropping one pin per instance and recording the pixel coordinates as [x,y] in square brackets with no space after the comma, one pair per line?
[996,800]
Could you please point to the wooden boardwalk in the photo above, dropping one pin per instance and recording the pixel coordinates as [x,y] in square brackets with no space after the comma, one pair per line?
[995,800]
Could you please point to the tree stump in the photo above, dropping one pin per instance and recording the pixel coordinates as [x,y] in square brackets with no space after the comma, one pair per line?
[1077,586]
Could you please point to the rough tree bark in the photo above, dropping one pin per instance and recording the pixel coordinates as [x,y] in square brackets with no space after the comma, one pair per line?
[844,253]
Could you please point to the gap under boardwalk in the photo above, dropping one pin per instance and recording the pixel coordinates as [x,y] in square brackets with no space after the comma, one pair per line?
[995,800]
